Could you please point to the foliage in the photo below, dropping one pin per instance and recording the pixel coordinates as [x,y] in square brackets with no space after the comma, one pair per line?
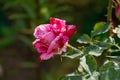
[96,61]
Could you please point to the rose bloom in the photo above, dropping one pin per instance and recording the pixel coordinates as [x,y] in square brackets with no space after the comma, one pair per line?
[51,38]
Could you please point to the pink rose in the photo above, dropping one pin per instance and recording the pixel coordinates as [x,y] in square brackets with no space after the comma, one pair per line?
[51,38]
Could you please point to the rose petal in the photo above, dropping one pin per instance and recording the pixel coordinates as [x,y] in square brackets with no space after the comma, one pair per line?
[65,39]
[48,38]
[41,30]
[57,21]
[40,47]
[70,30]
[57,24]
[46,56]
[54,44]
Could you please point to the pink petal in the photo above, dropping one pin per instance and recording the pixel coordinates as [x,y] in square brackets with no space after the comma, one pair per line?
[54,44]
[65,39]
[46,56]
[39,46]
[57,21]
[58,24]
[41,30]
[48,38]
[70,30]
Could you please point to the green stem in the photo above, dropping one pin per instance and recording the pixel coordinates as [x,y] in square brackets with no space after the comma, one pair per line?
[70,46]
[117,46]
[109,13]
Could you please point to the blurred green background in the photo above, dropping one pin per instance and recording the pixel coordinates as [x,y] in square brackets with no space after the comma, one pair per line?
[18,18]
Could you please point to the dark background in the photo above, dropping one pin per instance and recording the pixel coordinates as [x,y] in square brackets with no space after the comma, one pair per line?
[18,18]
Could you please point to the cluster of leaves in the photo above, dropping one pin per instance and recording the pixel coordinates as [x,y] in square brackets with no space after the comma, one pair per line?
[96,61]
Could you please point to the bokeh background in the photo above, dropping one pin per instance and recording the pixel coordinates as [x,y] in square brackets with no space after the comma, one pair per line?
[18,18]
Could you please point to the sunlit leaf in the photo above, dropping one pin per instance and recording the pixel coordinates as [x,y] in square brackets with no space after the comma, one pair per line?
[111,40]
[94,50]
[110,71]
[72,54]
[88,63]
[84,64]
[81,69]
[94,76]
[100,28]
[107,43]
[113,50]
[114,57]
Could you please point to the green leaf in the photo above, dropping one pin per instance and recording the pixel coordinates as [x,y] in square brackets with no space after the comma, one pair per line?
[84,65]
[113,50]
[110,71]
[84,39]
[107,43]
[72,54]
[95,76]
[109,64]
[71,78]
[114,57]
[100,28]
[111,40]
[103,45]
[94,50]
[81,69]
[88,63]
[91,62]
